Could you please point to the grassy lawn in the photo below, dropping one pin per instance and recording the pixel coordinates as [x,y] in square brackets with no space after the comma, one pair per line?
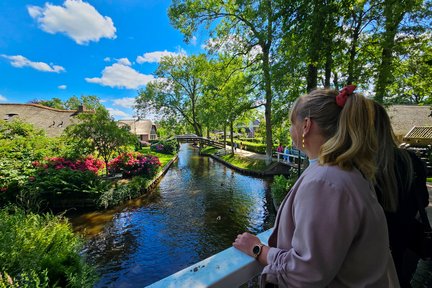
[245,163]
[238,161]
[163,158]
[429,179]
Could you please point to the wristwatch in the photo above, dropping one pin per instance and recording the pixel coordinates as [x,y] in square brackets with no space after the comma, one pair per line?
[257,249]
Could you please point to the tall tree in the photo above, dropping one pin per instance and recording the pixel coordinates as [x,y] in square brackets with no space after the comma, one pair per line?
[178,89]
[250,23]
[100,133]
[232,93]
[90,102]
[393,12]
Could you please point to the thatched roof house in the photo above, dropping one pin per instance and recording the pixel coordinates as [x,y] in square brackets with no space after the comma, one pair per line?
[405,117]
[53,121]
[145,129]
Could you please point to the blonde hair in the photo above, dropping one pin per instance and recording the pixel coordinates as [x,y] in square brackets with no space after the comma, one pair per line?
[349,130]
[388,176]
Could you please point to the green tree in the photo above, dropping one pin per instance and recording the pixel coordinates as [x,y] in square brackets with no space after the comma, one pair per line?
[393,12]
[20,145]
[230,94]
[99,132]
[56,103]
[178,89]
[247,26]
[413,73]
[90,102]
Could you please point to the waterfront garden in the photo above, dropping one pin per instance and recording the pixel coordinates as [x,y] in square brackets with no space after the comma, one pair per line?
[42,176]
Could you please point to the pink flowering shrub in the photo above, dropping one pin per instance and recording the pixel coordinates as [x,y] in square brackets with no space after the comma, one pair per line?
[56,177]
[135,164]
[87,164]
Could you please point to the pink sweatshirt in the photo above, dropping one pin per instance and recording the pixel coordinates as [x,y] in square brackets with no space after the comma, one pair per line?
[330,231]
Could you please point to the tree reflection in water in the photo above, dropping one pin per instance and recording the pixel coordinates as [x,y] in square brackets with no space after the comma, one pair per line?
[199,208]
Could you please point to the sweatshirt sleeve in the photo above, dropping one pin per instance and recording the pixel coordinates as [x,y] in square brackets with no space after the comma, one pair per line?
[325,226]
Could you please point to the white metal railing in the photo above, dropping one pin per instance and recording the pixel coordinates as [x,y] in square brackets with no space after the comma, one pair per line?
[229,268]
[286,157]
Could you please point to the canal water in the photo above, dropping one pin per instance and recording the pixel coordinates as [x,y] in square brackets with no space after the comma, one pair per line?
[196,211]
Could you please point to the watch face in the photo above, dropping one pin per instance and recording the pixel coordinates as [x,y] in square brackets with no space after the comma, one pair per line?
[256,249]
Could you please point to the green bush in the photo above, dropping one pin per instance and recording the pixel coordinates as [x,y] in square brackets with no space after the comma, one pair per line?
[253,140]
[165,146]
[281,186]
[25,280]
[53,185]
[255,147]
[40,249]
[122,191]
[20,145]
[67,181]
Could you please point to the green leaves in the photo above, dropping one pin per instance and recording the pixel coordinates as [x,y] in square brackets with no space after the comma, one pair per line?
[40,251]
[99,132]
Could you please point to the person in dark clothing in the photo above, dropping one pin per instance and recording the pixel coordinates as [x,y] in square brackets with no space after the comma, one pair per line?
[400,182]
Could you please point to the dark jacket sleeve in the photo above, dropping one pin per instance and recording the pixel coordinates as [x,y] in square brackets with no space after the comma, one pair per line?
[420,176]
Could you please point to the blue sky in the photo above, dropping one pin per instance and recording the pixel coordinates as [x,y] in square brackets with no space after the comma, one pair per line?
[107,48]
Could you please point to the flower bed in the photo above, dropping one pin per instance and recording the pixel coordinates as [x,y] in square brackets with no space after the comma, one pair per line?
[134,164]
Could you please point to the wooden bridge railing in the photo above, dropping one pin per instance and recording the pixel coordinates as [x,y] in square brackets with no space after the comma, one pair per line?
[201,140]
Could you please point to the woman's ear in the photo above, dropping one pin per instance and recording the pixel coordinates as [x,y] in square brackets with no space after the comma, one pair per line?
[307,124]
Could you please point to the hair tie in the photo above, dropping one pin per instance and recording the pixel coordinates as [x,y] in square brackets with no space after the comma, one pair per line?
[344,93]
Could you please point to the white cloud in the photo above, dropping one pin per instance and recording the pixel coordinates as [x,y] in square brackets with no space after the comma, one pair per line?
[62,87]
[126,102]
[2,98]
[155,57]
[20,61]
[122,76]
[193,41]
[77,19]
[124,61]
[118,113]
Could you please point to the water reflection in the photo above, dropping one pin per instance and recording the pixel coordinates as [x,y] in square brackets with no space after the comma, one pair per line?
[201,206]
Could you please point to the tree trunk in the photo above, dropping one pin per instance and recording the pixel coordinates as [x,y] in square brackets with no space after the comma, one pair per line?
[268,104]
[232,136]
[353,50]
[393,14]
[225,134]
[315,45]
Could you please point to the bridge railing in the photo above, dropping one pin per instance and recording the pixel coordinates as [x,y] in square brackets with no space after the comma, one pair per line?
[287,157]
[229,268]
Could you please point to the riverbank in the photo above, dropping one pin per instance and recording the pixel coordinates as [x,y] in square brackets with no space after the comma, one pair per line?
[246,162]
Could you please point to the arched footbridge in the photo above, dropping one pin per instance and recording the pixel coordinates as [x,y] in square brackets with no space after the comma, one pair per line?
[191,138]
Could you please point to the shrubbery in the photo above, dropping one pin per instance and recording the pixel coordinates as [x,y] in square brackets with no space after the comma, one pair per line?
[121,191]
[20,145]
[254,147]
[281,186]
[135,164]
[165,146]
[40,251]
[87,164]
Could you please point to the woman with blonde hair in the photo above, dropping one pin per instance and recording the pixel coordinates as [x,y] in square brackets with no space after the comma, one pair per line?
[330,230]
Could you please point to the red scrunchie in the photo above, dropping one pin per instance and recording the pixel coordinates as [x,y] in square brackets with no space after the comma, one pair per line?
[344,93]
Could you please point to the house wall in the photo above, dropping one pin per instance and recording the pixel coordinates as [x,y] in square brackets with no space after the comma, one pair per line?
[53,121]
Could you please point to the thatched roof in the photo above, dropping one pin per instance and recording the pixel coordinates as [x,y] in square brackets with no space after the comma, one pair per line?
[419,136]
[53,121]
[405,117]
[140,127]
